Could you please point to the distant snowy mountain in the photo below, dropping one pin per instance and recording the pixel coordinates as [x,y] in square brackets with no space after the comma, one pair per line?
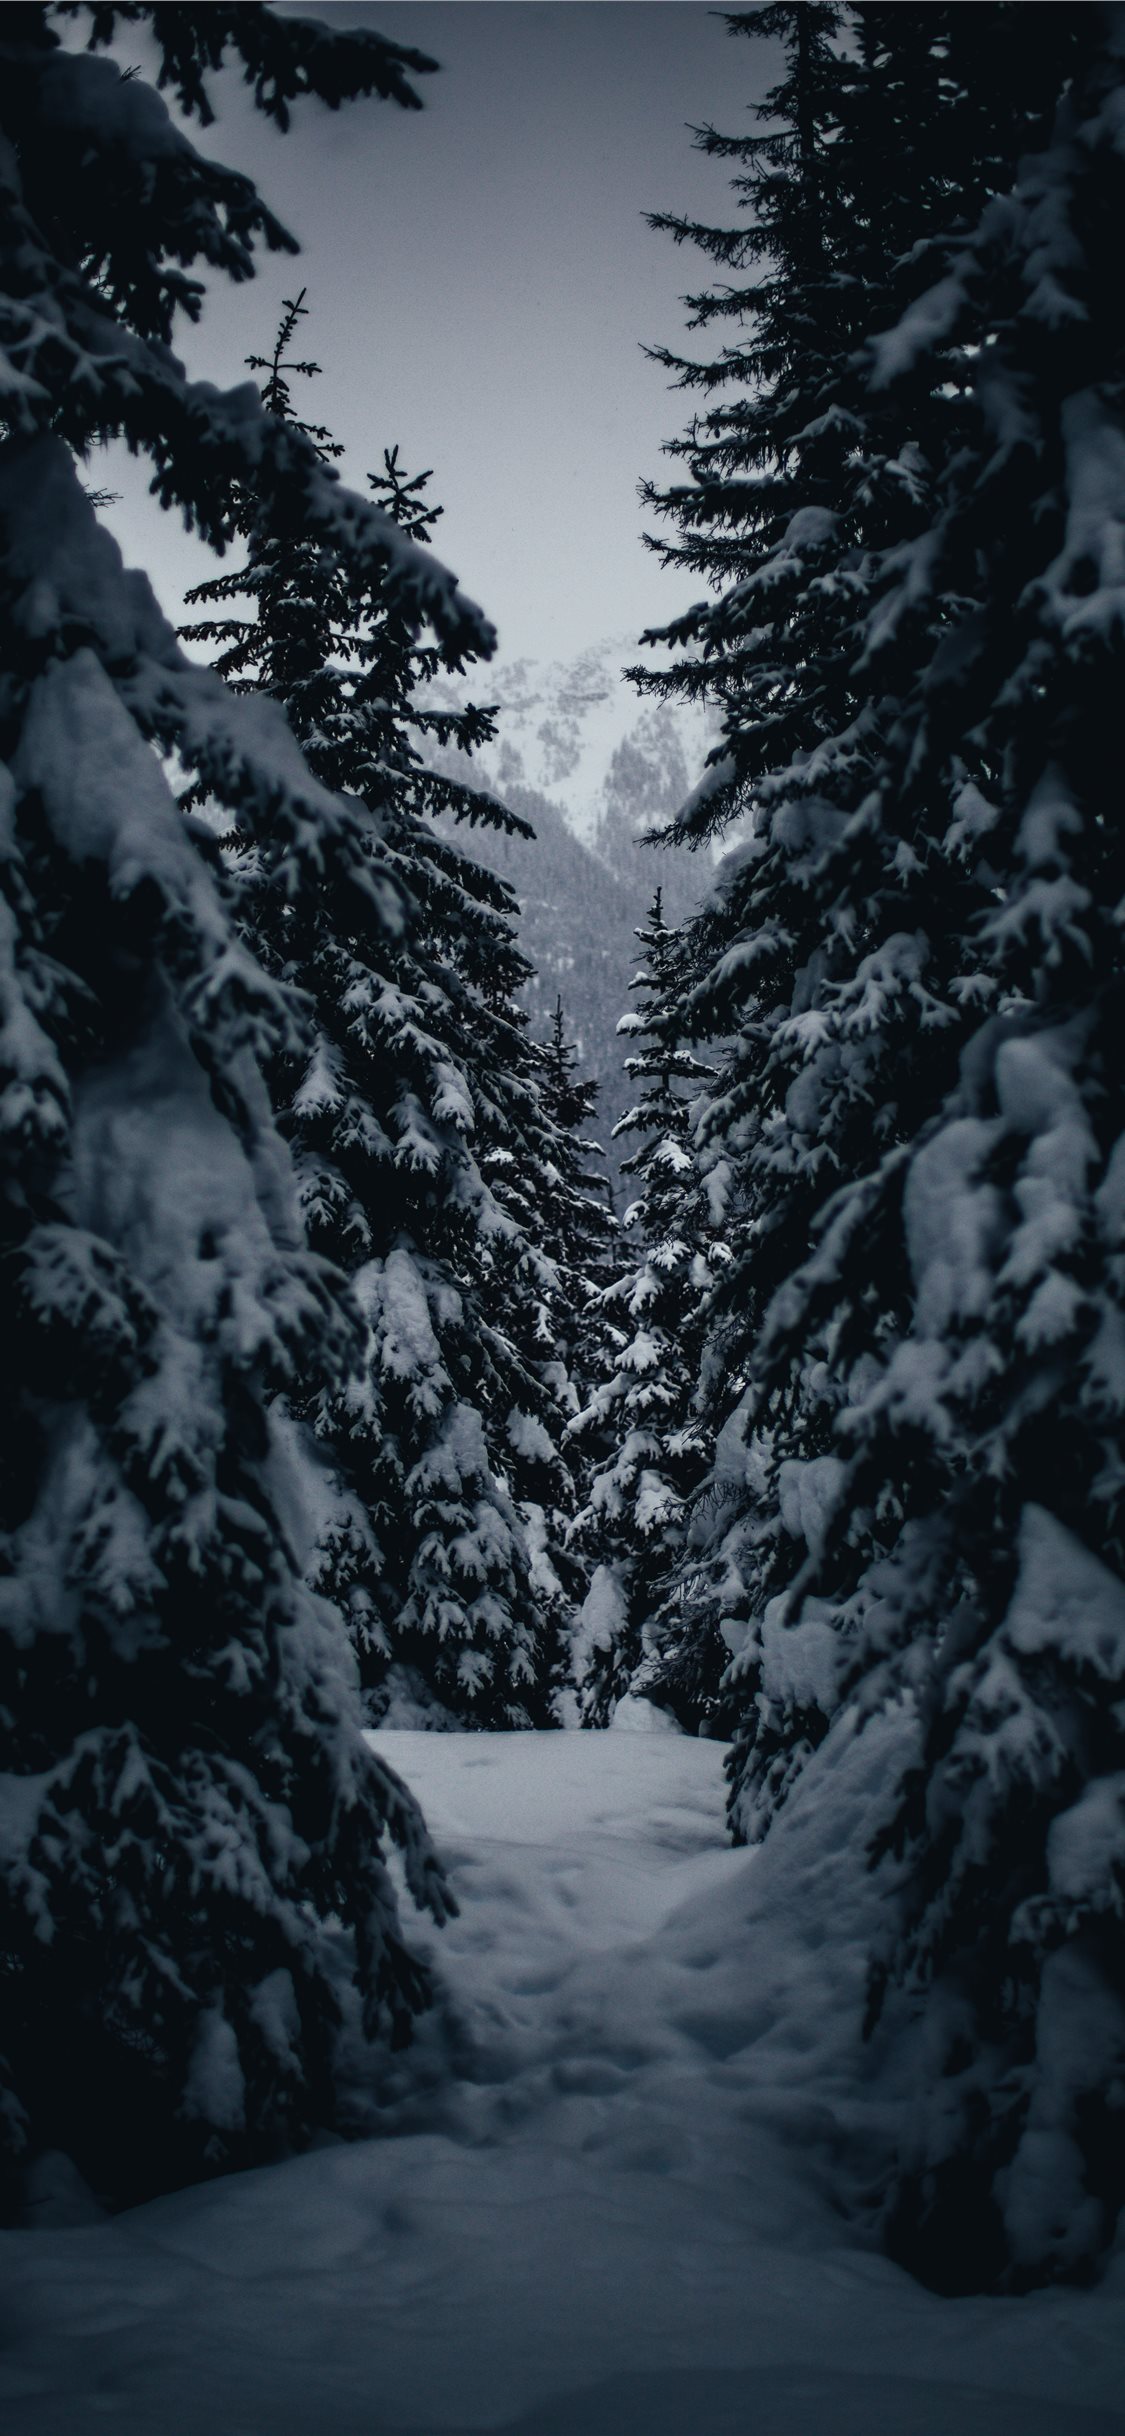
[576,732]
[592,765]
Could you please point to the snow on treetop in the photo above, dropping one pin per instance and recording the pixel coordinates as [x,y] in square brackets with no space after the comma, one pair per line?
[575,732]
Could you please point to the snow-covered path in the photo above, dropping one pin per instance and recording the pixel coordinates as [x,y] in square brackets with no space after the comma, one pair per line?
[614,2226]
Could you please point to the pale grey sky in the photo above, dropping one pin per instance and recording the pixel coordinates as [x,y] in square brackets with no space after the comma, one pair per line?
[481,278]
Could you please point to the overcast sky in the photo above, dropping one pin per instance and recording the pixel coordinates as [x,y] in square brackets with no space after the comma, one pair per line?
[481,280]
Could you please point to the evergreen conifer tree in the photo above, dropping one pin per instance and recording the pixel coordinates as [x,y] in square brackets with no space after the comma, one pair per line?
[198,1928]
[653,1450]
[569,1214]
[822,967]
[920,1116]
[985,1434]
[583,1228]
[424,1152]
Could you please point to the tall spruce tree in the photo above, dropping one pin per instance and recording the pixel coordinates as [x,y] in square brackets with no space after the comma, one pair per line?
[919,1117]
[575,1223]
[198,1928]
[652,1451]
[986,1435]
[810,496]
[584,1236]
[583,1226]
[427,1160]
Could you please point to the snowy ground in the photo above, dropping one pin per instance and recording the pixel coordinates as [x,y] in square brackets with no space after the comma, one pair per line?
[615,2227]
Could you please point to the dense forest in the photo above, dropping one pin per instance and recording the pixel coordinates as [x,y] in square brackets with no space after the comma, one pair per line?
[340,1395]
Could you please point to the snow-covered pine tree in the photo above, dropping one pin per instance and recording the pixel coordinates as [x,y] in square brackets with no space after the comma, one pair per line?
[829,965]
[570,1213]
[583,1230]
[652,1449]
[952,976]
[197,1923]
[986,1435]
[424,1154]
[566,1209]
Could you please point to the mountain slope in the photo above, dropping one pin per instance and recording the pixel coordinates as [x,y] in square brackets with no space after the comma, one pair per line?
[592,768]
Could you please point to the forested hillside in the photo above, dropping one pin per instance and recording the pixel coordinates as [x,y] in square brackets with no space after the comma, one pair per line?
[595,773]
